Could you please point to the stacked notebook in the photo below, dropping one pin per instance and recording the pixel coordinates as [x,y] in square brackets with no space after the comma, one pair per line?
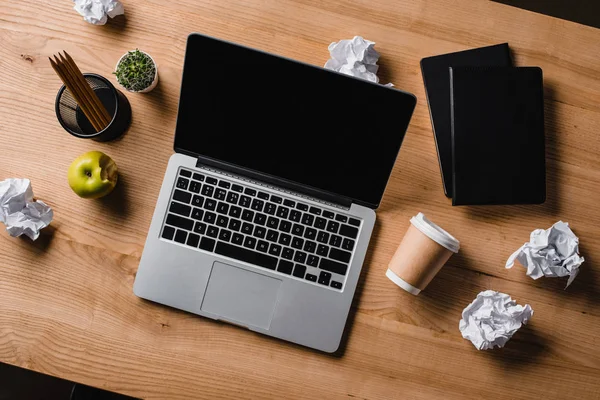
[488,123]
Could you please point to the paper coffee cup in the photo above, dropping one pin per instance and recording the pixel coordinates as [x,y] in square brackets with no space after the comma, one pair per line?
[423,251]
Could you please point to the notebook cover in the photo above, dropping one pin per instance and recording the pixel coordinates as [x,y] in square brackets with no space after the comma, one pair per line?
[437,89]
[498,146]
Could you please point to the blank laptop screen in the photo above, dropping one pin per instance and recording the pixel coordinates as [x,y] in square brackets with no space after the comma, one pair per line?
[290,120]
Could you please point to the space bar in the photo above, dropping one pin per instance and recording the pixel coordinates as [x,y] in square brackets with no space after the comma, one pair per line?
[249,256]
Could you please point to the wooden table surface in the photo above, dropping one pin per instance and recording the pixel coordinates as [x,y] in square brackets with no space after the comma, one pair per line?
[66,302]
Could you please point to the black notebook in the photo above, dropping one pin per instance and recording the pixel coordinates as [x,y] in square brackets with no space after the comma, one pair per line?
[437,89]
[498,148]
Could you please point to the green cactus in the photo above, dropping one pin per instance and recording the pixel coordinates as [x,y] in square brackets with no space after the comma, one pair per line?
[136,71]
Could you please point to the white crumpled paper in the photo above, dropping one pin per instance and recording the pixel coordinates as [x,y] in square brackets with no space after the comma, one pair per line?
[552,252]
[19,212]
[97,11]
[356,57]
[492,318]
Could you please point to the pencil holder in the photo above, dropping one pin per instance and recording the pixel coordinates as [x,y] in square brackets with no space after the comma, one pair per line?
[74,121]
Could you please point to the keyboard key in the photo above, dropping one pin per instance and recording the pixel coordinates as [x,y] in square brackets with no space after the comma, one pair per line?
[310,246]
[302,207]
[197,214]
[182,183]
[237,239]
[182,196]
[257,204]
[282,212]
[210,204]
[276,199]
[248,215]
[289,203]
[341,218]
[287,253]
[320,223]
[185,172]
[297,243]
[247,228]
[308,219]
[200,228]
[195,186]
[285,226]
[222,208]
[272,235]
[285,239]
[333,266]
[324,278]
[225,235]
[311,277]
[272,222]
[262,246]
[328,214]
[211,180]
[275,249]
[322,250]
[263,195]
[310,233]
[250,192]
[193,240]
[249,242]
[245,201]
[340,255]
[180,209]
[168,232]
[323,237]
[207,244]
[313,261]
[235,224]
[354,221]
[180,222]
[252,257]
[285,267]
[348,244]
[180,236]
[333,226]
[232,197]
[198,201]
[210,217]
[300,257]
[224,184]
[260,219]
[315,210]
[207,190]
[350,231]
[260,232]
[298,230]
[237,188]
[212,231]
[222,221]
[295,215]
[220,194]
[299,271]
[235,212]
[199,177]
[270,208]
[336,285]
[335,240]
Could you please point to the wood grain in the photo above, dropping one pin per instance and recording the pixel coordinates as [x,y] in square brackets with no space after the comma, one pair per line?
[66,301]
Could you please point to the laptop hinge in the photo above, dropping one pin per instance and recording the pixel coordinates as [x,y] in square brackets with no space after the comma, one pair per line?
[293,187]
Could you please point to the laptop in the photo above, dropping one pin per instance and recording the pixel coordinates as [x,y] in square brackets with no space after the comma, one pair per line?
[267,206]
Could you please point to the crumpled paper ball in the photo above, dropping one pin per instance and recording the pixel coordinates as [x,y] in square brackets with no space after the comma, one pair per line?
[355,57]
[552,252]
[492,318]
[96,12]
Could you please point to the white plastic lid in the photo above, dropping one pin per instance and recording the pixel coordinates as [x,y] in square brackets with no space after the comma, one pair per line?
[402,283]
[435,233]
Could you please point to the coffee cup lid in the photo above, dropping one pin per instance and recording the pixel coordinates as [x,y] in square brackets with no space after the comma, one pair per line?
[435,233]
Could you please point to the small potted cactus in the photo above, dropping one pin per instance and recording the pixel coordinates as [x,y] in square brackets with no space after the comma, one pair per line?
[137,72]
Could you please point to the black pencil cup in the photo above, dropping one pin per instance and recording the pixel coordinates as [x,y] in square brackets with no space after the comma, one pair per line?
[72,118]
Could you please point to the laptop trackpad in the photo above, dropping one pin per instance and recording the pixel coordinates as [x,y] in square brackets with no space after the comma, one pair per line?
[241,296]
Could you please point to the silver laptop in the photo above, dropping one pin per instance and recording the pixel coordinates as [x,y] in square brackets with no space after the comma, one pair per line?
[266,209]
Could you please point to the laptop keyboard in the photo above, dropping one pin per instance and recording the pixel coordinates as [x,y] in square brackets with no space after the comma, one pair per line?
[267,230]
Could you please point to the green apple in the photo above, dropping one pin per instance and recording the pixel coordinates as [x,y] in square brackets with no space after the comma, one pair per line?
[93,175]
